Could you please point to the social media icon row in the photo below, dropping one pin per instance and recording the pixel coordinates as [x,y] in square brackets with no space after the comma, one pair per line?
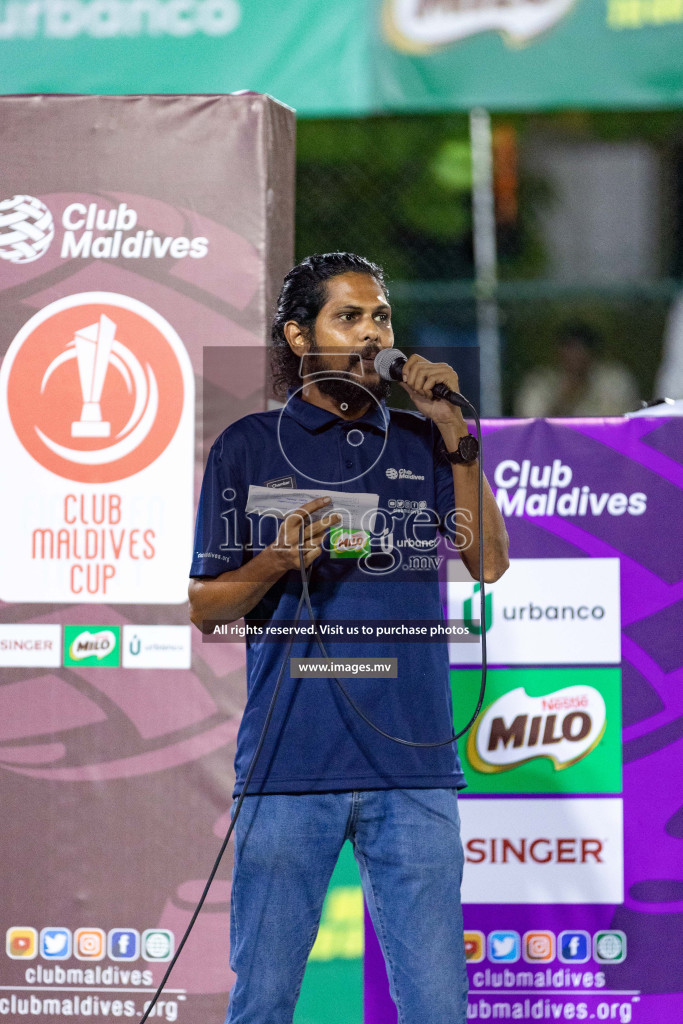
[570,947]
[122,944]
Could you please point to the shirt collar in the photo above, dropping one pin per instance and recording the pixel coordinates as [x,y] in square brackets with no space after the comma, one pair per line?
[316,420]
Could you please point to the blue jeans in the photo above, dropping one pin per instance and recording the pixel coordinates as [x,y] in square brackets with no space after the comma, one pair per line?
[408,849]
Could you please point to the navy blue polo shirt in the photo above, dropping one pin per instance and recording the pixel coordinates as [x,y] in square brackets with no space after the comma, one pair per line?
[316,742]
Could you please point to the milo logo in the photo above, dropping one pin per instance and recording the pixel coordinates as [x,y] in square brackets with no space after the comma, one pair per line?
[349,543]
[422,26]
[98,645]
[563,726]
[543,730]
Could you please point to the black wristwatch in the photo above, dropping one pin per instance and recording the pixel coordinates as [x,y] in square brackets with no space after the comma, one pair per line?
[467,450]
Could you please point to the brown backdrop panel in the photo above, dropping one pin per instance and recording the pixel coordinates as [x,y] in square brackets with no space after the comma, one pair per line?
[116,781]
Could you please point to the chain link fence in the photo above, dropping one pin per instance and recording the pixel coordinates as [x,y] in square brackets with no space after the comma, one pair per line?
[398,190]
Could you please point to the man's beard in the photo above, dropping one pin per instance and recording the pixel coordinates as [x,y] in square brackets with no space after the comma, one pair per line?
[345,384]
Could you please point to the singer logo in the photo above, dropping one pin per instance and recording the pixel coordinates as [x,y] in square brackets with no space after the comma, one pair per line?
[563,726]
[543,851]
[94,386]
[419,26]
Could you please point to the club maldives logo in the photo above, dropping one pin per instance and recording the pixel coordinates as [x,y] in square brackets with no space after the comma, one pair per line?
[401,474]
[526,489]
[563,726]
[91,645]
[421,26]
[94,231]
[26,229]
[90,230]
[94,386]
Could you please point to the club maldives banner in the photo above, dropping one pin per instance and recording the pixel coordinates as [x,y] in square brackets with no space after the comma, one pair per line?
[138,236]
[573,818]
[362,56]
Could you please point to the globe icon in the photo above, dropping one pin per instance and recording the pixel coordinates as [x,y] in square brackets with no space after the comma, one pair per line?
[609,947]
[26,229]
[157,945]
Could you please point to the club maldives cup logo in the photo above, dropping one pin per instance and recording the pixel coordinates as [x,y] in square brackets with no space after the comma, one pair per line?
[94,386]
[97,422]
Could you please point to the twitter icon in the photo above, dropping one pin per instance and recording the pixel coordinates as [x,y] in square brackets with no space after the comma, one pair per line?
[504,947]
[55,943]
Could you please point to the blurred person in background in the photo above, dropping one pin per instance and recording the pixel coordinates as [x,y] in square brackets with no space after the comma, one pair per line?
[669,382]
[580,383]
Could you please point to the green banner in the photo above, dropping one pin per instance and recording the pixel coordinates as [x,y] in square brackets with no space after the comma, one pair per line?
[307,53]
[362,56]
[528,54]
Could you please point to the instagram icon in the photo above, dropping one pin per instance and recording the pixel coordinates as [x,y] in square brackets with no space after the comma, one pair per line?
[538,947]
[89,944]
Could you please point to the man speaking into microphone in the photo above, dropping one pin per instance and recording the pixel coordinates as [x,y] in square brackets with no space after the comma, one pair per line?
[324,774]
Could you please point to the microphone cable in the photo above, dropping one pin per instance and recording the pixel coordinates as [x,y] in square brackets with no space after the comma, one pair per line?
[238,806]
[482,686]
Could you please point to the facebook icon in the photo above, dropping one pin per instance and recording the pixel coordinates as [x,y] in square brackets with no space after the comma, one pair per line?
[573,947]
[124,944]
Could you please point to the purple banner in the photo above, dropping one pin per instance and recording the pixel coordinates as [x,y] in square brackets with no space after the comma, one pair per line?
[573,817]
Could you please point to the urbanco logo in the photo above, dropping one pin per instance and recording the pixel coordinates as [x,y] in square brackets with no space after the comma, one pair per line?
[94,386]
[543,611]
[421,26]
[26,229]
[472,611]
[65,20]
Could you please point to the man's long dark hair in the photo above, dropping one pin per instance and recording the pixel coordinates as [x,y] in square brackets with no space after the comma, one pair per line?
[302,297]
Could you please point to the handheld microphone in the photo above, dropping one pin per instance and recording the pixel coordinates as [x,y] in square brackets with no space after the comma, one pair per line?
[389,365]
